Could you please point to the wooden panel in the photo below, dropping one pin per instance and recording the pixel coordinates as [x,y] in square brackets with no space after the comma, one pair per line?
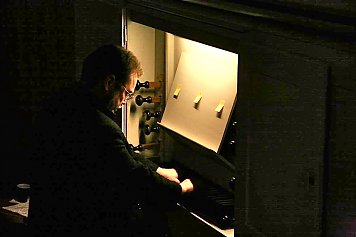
[281,140]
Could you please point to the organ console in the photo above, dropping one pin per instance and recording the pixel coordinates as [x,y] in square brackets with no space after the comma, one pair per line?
[185,143]
[150,115]
[148,129]
[147,84]
[140,100]
[209,201]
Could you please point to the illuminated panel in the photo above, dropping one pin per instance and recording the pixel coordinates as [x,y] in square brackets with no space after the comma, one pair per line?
[202,94]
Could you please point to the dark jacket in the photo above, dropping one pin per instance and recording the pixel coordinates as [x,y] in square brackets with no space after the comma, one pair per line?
[86,179]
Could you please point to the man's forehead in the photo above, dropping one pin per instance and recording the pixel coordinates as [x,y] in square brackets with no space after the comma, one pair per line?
[134,75]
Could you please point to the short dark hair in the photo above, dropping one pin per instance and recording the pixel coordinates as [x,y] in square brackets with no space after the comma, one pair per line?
[107,60]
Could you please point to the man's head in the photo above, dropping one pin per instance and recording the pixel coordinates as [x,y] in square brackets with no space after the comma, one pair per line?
[111,72]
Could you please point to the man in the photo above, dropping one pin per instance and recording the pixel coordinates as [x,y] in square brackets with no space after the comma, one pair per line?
[86,179]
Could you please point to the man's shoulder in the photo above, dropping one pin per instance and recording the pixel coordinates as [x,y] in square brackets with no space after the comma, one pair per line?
[106,119]
[107,122]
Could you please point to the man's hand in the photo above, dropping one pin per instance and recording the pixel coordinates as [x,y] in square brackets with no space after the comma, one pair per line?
[170,174]
[187,186]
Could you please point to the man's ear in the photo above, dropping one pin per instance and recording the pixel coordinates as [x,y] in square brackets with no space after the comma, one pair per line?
[109,82]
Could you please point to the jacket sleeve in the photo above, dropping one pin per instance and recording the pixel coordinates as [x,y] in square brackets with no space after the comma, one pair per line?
[144,161]
[134,172]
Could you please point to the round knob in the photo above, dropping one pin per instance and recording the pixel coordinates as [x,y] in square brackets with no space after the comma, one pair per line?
[148,129]
[227,221]
[139,84]
[149,114]
[136,148]
[231,147]
[225,218]
[232,183]
[140,100]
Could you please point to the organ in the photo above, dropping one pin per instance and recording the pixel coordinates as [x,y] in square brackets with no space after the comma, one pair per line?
[193,120]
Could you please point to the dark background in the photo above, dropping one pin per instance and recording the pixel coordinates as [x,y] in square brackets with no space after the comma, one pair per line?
[37,54]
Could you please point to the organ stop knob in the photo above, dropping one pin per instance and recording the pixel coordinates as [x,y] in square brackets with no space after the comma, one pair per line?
[147,84]
[141,147]
[140,100]
[148,129]
[150,115]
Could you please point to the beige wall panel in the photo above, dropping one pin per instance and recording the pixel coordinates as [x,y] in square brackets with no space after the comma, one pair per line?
[141,41]
[212,73]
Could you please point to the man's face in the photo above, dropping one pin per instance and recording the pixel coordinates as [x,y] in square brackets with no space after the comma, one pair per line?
[120,98]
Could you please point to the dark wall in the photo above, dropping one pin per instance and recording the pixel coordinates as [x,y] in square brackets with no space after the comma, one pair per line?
[37,58]
[345,7]
[42,46]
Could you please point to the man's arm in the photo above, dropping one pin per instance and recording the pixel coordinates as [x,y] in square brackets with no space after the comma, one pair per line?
[145,161]
[120,160]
